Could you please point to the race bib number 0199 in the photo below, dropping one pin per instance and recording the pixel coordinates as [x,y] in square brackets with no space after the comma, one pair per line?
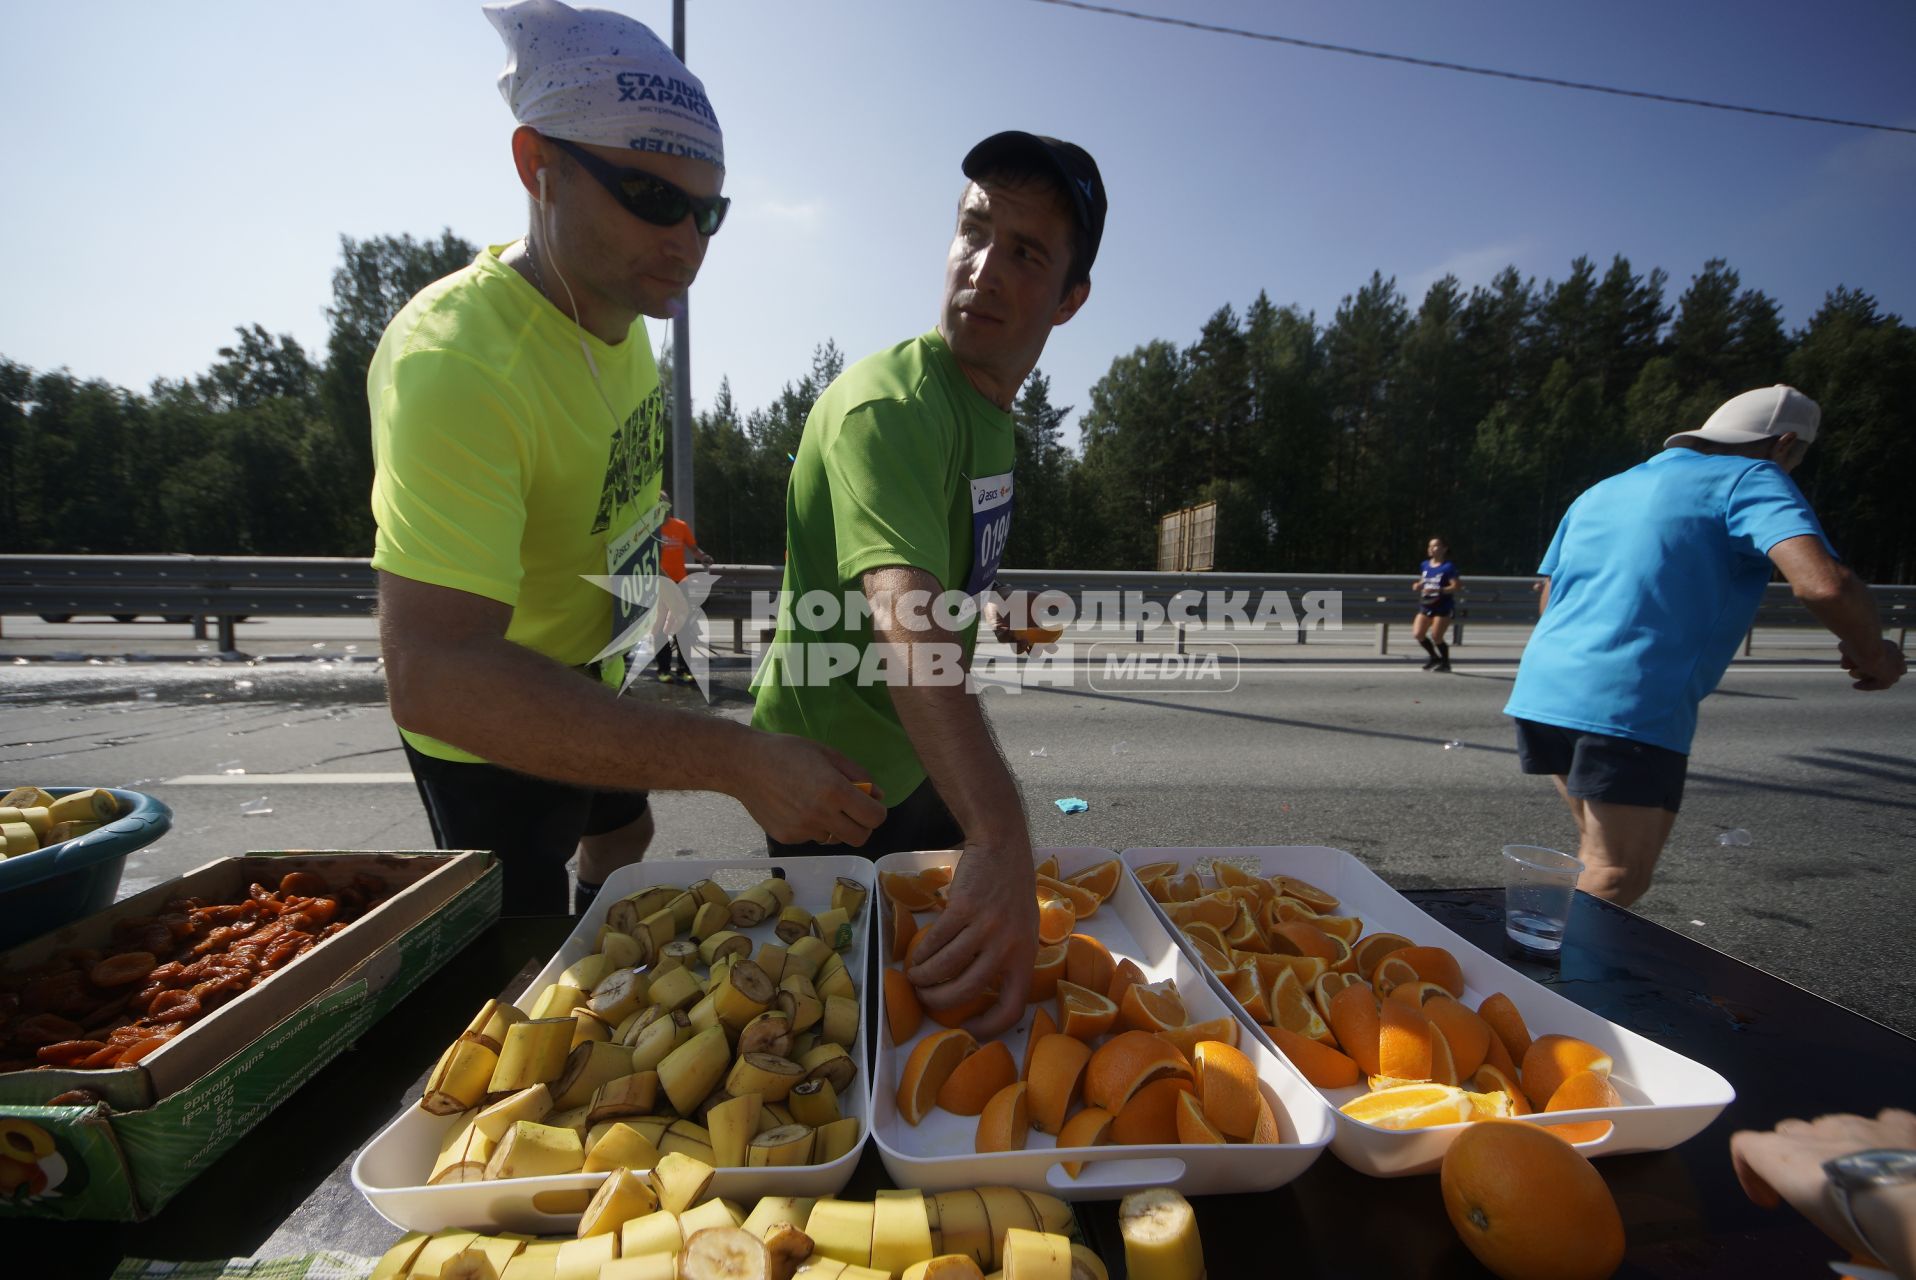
[990,529]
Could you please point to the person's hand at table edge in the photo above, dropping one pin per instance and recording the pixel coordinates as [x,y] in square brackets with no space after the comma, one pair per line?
[803,792]
[1786,1163]
[986,936]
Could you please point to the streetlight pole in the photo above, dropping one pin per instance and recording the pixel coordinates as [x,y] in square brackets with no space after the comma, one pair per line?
[681,354]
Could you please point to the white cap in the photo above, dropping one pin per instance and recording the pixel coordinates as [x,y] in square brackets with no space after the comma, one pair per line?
[1758,415]
[598,77]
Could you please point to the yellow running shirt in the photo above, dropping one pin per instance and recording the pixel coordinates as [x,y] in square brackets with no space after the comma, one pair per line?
[501,470]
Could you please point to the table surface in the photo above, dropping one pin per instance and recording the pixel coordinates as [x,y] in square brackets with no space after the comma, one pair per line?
[285,1189]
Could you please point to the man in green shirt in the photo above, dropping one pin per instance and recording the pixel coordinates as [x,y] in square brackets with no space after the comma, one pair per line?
[901,492]
[517,437]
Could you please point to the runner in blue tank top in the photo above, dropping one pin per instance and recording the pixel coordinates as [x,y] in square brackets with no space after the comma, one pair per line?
[1436,587]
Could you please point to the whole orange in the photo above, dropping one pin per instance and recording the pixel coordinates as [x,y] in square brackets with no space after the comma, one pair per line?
[1528,1205]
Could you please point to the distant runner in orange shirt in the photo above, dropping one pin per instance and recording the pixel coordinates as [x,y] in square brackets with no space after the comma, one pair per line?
[676,538]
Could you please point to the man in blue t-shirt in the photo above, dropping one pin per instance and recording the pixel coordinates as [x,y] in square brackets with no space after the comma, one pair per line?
[1653,578]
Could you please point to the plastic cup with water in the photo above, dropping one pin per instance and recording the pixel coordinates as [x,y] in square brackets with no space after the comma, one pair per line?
[1538,883]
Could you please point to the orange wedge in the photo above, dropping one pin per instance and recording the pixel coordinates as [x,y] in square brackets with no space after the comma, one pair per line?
[931,1063]
[1152,1006]
[1368,950]
[1216,960]
[1042,1025]
[1344,928]
[903,1014]
[1245,932]
[1194,1127]
[1127,973]
[1057,1072]
[1211,909]
[1232,877]
[1049,867]
[1584,1089]
[1083,901]
[1305,892]
[1208,934]
[1185,887]
[1005,1123]
[1403,1042]
[977,1080]
[1392,972]
[1246,986]
[1443,1063]
[936,877]
[1410,1106]
[1355,1020]
[1056,919]
[1226,1085]
[1501,1013]
[1468,1034]
[1156,870]
[1326,987]
[1266,1131]
[915,947]
[904,927]
[1290,1007]
[1151,1116]
[1416,993]
[1302,939]
[1159,888]
[959,1014]
[908,890]
[1126,1063]
[1101,878]
[1318,1063]
[1307,968]
[1186,1039]
[1499,1057]
[1551,1060]
[1490,1079]
[1088,962]
[1046,969]
[1434,964]
[1091,1127]
[1083,1013]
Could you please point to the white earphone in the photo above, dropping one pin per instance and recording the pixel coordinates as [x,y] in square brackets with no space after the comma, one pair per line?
[542,188]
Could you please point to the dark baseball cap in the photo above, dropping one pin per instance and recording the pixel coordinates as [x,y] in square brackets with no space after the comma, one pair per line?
[1068,160]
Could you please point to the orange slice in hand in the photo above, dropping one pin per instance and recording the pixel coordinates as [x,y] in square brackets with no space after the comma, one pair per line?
[977,1079]
[903,1014]
[1091,1127]
[1126,1063]
[1150,1118]
[1004,1123]
[1152,1006]
[1318,1063]
[931,1063]
[1100,879]
[1186,1039]
[1084,1013]
[1057,1071]
[1194,1127]
[1551,1060]
[1088,962]
[1226,1085]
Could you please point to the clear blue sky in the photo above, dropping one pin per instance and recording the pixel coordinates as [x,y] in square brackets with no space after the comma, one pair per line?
[176,170]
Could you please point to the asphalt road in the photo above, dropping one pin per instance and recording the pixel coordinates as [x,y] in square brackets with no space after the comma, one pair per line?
[1414,773]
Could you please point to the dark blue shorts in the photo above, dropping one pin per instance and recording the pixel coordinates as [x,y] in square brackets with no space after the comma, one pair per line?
[1596,766]
[1442,607]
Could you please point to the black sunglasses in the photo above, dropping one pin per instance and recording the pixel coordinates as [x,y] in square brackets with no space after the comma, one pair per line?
[648,197]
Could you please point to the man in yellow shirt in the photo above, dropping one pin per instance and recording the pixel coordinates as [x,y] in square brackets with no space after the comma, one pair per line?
[517,437]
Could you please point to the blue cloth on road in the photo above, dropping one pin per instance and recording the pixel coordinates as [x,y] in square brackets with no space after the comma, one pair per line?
[1071,804]
[1655,576]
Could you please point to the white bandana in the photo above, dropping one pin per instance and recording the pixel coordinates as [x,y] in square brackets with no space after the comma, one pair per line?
[598,77]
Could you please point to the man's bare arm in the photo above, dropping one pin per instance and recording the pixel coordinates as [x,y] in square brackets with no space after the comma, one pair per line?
[988,934]
[452,675]
[1840,601]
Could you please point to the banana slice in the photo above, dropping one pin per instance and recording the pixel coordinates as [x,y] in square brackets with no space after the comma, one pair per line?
[1160,1236]
[724,1253]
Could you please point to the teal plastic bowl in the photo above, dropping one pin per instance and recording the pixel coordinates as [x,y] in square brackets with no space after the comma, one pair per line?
[42,890]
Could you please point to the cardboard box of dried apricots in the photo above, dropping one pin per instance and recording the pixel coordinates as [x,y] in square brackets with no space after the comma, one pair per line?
[149,1127]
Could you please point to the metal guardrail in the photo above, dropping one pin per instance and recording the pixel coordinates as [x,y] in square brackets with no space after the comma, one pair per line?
[230,588]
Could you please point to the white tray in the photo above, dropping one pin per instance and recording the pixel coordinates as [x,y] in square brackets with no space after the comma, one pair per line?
[937,1154]
[1668,1097]
[391,1172]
